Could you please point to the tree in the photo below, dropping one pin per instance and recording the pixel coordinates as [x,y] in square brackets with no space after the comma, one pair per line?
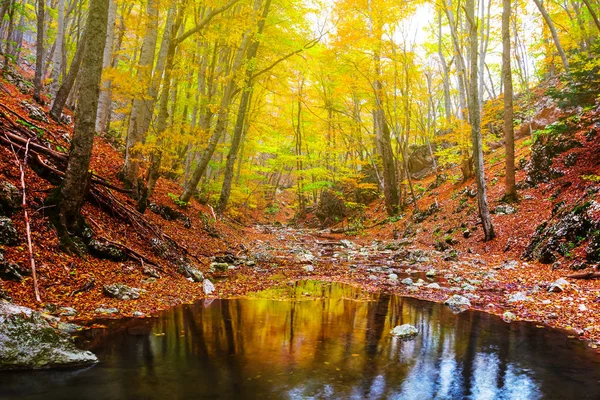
[70,195]
[104,101]
[39,53]
[552,28]
[475,119]
[58,49]
[242,111]
[510,191]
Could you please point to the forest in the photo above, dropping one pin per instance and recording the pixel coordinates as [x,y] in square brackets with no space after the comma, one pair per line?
[246,191]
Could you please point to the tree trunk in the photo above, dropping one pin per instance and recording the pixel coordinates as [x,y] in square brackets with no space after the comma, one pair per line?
[242,111]
[39,53]
[73,190]
[592,13]
[105,98]
[58,49]
[135,132]
[67,85]
[552,28]
[510,192]
[475,118]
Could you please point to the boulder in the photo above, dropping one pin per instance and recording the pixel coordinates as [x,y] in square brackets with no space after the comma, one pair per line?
[331,207]
[558,286]
[405,331]
[431,273]
[458,303]
[393,277]
[35,113]
[308,268]
[106,311]
[433,286]
[28,341]
[208,287]
[10,272]
[219,267]
[189,271]
[67,312]
[106,251]
[407,282]
[121,292]
[509,317]
[10,199]
[8,233]
[504,209]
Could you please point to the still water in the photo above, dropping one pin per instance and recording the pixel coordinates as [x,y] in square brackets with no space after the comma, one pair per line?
[324,341]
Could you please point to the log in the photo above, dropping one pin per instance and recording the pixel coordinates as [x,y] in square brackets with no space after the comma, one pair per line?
[585,275]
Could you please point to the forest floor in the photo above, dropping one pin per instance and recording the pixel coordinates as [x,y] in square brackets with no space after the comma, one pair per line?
[265,255]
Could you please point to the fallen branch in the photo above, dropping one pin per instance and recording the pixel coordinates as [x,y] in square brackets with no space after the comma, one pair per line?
[22,167]
[585,275]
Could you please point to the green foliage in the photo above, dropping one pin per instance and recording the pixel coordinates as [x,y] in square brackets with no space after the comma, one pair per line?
[554,129]
[176,200]
[592,178]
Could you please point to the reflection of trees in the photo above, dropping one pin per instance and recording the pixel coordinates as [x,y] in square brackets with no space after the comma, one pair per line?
[334,348]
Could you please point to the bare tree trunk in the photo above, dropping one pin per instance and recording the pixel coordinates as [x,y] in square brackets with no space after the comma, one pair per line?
[105,98]
[135,132]
[475,118]
[39,53]
[592,13]
[73,189]
[510,192]
[67,85]
[58,49]
[552,28]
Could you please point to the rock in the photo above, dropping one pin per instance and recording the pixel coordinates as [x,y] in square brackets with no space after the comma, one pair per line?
[466,233]
[582,307]
[10,199]
[468,287]
[420,216]
[407,281]
[518,297]
[159,247]
[509,317]
[405,331]
[208,287]
[106,311]
[305,256]
[138,314]
[451,255]
[121,292]
[458,303]
[393,277]
[9,271]
[170,214]
[559,285]
[308,268]
[106,251]
[67,327]
[504,209]
[151,272]
[67,312]
[431,273]
[347,244]
[28,341]
[187,270]
[35,113]
[434,286]
[8,233]
[263,256]
[509,264]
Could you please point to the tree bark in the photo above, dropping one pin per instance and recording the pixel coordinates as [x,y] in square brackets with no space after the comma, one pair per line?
[74,187]
[510,192]
[39,53]
[103,114]
[592,13]
[475,117]
[135,132]
[58,49]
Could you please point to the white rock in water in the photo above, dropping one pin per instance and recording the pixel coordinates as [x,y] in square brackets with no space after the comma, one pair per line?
[405,331]
[407,281]
[509,317]
[434,286]
[458,303]
[208,287]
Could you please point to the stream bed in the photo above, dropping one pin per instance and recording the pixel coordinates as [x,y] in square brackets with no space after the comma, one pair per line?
[319,340]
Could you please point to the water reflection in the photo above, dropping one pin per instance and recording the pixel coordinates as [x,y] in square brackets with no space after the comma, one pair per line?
[323,344]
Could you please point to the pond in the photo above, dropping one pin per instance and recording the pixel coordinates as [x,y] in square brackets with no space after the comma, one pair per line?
[319,340]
